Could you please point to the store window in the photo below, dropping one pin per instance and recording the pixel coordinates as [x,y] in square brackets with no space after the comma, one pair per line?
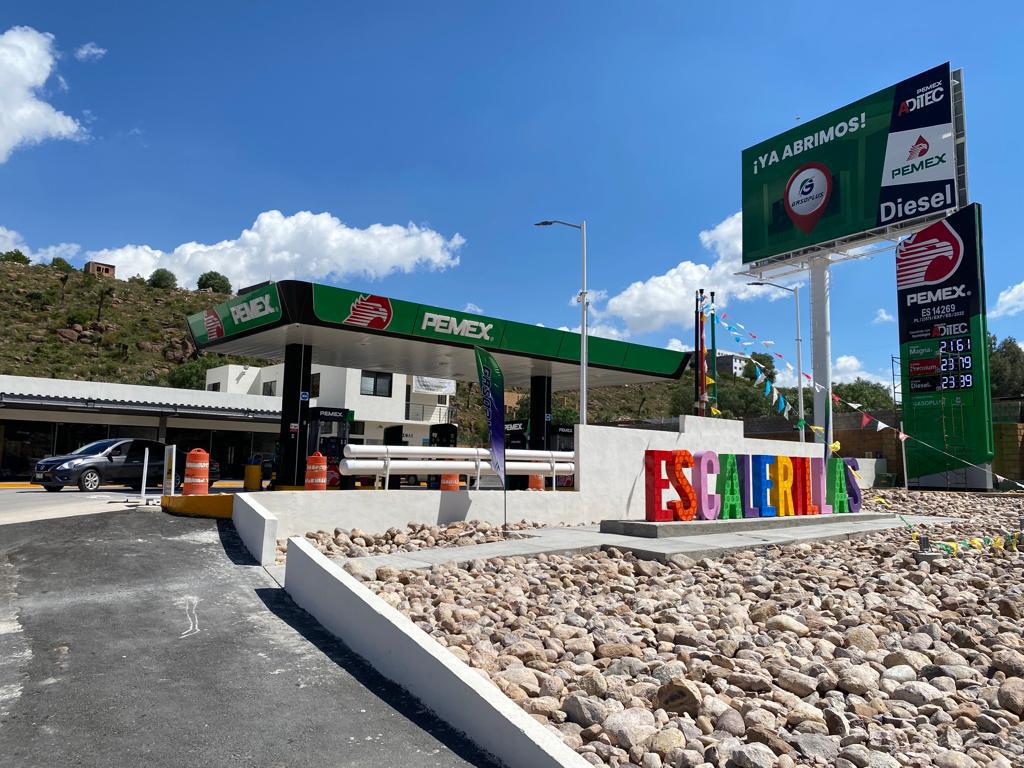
[270,388]
[314,385]
[375,384]
[215,387]
[357,428]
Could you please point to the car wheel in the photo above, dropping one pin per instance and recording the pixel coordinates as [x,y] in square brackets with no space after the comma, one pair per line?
[53,488]
[89,480]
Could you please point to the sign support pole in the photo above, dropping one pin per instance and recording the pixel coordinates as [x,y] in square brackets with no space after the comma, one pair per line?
[821,345]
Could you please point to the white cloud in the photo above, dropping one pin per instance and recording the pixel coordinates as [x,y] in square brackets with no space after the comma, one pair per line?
[10,239]
[881,316]
[847,368]
[678,346]
[1010,302]
[90,52]
[471,307]
[310,246]
[667,299]
[602,330]
[26,62]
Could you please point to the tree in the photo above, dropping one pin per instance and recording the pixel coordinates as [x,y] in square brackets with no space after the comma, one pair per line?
[61,264]
[14,256]
[192,375]
[63,285]
[214,281]
[872,395]
[765,360]
[102,296]
[163,279]
[1006,367]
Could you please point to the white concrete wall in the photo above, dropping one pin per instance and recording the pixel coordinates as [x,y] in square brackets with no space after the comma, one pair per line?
[611,473]
[256,527]
[400,651]
[610,485]
[375,511]
[333,381]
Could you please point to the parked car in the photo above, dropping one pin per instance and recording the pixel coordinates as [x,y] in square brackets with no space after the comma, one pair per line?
[115,461]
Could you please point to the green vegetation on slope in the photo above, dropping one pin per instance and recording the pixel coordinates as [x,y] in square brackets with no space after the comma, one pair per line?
[71,325]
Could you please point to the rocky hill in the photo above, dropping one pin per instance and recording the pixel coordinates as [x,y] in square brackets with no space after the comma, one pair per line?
[71,325]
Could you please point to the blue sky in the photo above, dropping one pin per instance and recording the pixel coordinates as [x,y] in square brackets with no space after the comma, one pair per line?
[198,135]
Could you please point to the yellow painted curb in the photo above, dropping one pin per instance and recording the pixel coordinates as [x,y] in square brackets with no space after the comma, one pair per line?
[215,505]
[20,485]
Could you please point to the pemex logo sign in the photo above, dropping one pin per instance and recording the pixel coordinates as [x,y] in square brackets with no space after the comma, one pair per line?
[928,257]
[212,323]
[370,312]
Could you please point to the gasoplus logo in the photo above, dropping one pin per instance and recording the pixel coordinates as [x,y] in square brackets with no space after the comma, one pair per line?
[807,193]
[747,486]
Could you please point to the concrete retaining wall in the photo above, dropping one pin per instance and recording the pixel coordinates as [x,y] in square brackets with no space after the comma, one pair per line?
[257,527]
[401,652]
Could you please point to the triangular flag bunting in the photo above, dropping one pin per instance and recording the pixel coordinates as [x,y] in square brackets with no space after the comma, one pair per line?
[767,388]
[864,420]
[807,376]
[775,396]
[818,387]
[880,426]
[708,379]
[768,343]
[782,404]
[903,436]
[835,398]
[789,367]
[740,326]
[715,411]
[1000,478]
[801,424]
[747,343]
[834,447]
[858,406]
[817,429]
[789,408]
[752,334]
[778,355]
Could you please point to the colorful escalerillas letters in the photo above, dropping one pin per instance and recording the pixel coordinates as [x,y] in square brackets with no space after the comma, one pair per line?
[748,486]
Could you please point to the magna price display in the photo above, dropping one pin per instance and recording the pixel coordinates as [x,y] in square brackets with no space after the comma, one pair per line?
[943,340]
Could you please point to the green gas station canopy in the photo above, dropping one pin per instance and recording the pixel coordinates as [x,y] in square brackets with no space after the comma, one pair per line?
[371,332]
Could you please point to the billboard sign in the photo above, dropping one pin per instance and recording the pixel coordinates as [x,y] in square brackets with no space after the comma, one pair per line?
[887,160]
[943,346]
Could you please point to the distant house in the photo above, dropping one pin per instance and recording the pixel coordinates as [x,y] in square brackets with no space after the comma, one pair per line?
[99,269]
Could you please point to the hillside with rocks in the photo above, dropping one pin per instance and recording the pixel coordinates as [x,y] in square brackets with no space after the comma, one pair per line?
[70,325]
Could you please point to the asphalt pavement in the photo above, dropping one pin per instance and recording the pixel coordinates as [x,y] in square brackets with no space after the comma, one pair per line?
[134,638]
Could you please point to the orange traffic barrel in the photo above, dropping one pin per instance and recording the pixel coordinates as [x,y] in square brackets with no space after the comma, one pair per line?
[536,482]
[197,473]
[316,472]
[449,482]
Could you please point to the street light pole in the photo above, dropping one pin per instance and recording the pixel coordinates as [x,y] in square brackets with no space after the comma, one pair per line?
[584,336]
[584,301]
[795,290]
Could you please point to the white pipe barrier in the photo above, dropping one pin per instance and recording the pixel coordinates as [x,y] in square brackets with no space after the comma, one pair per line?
[412,467]
[436,452]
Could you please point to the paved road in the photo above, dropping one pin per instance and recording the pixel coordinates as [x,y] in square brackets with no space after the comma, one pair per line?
[22,505]
[136,638]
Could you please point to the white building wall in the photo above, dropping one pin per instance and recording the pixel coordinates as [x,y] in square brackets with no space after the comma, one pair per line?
[373,408]
[237,379]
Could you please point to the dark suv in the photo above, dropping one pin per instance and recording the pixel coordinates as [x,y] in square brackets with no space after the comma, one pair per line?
[117,461]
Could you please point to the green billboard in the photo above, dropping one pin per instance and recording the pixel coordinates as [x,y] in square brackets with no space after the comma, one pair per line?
[884,161]
[947,403]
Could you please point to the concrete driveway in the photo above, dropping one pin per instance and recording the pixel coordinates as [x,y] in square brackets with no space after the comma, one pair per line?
[137,638]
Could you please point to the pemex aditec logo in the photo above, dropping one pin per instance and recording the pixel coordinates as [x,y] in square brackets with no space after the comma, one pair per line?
[214,326]
[370,312]
[928,257]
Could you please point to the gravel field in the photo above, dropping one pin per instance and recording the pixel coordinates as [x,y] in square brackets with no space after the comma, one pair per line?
[415,536]
[846,654]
